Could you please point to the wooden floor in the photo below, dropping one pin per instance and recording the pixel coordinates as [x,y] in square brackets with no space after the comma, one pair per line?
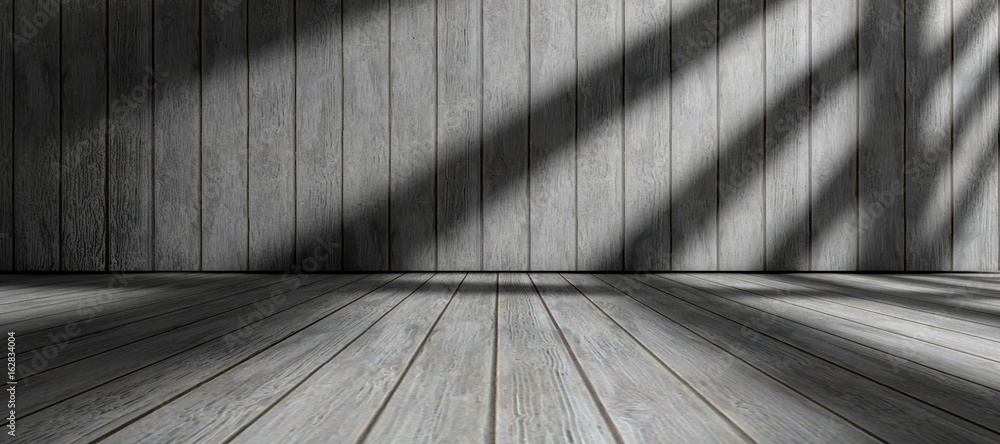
[482,357]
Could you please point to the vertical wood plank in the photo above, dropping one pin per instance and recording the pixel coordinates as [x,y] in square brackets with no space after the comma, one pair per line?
[319,126]
[177,136]
[271,166]
[975,110]
[459,125]
[882,94]
[131,80]
[225,123]
[37,160]
[84,100]
[741,135]
[366,135]
[834,136]
[647,135]
[694,139]
[413,92]
[552,162]
[506,107]
[600,194]
[786,141]
[928,135]
[7,139]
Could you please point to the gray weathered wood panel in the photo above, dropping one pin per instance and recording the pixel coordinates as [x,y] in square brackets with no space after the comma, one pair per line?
[741,135]
[413,127]
[647,135]
[881,223]
[976,238]
[552,135]
[928,135]
[84,100]
[131,82]
[787,136]
[7,141]
[459,129]
[833,136]
[694,139]
[177,117]
[366,135]
[225,138]
[271,154]
[500,135]
[600,134]
[505,205]
[319,106]
[37,159]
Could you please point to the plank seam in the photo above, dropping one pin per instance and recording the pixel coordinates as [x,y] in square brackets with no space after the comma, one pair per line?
[237,364]
[684,382]
[612,427]
[720,346]
[926,403]
[881,302]
[409,364]
[244,427]
[823,313]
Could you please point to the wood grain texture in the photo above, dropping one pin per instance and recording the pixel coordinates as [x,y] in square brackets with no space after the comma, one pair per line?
[833,136]
[338,320]
[893,356]
[787,136]
[7,141]
[788,353]
[131,82]
[366,135]
[540,394]
[53,385]
[459,132]
[177,137]
[319,106]
[506,109]
[552,140]
[37,150]
[139,390]
[674,412]
[83,169]
[647,122]
[928,136]
[694,140]
[271,162]
[976,79]
[754,401]
[98,337]
[600,135]
[741,135]
[413,93]
[447,392]
[881,109]
[225,136]
[331,405]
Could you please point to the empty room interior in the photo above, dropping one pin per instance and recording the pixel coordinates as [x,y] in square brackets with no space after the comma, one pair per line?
[500,221]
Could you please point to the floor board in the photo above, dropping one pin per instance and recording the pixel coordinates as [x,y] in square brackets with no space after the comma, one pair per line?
[504,358]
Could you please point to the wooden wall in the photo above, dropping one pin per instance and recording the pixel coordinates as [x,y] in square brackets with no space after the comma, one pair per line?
[499,135]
